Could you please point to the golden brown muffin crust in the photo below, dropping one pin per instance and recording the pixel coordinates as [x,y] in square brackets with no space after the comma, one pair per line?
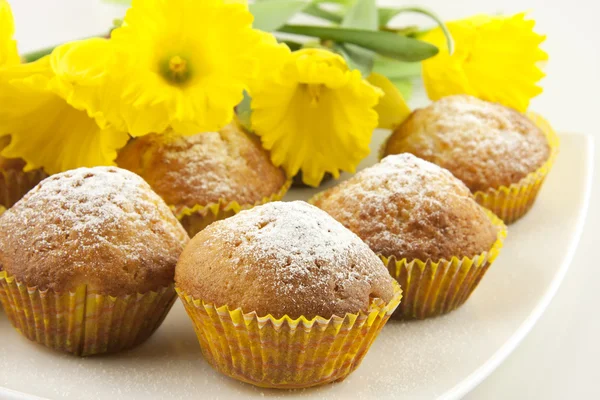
[486,145]
[283,259]
[204,168]
[101,226]
[409,208]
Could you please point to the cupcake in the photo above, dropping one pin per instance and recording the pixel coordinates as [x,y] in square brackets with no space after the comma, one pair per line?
[436,241]
[501,155]
[14,182]
[208,176]
[284,296]
[88,260]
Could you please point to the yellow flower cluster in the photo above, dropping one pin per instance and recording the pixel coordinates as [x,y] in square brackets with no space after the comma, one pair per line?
[496,59]
[315,115]
[180,65]
[46,130]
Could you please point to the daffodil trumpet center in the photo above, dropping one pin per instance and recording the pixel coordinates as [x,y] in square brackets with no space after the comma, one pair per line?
[314,91]
[176,70]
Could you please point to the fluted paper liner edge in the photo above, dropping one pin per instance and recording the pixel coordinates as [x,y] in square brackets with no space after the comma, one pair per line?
[81,322]
[284,352]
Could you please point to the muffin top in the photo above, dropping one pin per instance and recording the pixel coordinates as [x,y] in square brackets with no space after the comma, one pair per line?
[283,259]
[103,227]
[204,168]
[485,145]
[409,208]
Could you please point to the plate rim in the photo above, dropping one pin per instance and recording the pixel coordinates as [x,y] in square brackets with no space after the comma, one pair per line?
[472,380]
[488,367]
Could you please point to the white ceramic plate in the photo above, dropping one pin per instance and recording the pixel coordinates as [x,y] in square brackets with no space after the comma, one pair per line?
[442,357]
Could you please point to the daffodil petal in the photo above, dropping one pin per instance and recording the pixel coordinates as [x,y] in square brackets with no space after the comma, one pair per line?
[315,115]
[46,131]
[242,2]
[392,109]
[86,76]
[186,63]
[8,46]
[271,56]
[496,59]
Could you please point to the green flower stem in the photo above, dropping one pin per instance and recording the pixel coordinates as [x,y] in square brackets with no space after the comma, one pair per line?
[386,15]
[292,45]
[36,55]
[385,43]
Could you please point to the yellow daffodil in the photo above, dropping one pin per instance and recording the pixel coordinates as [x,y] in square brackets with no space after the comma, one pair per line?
[84,71]
[180,64]
[46,131]
[315,115]
[8,46]
[392,108]
[496,59]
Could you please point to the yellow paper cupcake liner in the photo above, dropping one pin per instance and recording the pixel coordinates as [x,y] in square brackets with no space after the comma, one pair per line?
[512,202]
[80,322]
[196,218]
[286,353]
[14,184]
[435,288]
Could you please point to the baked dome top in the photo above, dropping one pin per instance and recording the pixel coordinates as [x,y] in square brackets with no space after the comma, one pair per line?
[410,208]
[204,168]
[103,227]
[283,259]
[485,145]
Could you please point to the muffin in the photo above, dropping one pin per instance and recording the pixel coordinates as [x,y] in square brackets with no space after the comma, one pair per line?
[14,182]
[500,154]
[208,176]
[436,241]
[88,260]
[284,296]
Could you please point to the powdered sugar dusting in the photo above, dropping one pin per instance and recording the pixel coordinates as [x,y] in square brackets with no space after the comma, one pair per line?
[208,153]
[402,206]
[90,217]
[204,168]
[297,239]
[484,144]
[487,128]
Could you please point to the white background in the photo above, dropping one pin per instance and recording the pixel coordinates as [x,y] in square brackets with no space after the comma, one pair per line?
[559,358]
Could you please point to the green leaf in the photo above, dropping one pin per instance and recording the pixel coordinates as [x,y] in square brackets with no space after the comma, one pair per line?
[357,58]
[394,69]
[340,2]
[410,31]
[315,11]
[293,46]
[405,86]
[385,43]
[386,15]
[363,15]
[400,73]
[37,54]
[244,112]
[270,15]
